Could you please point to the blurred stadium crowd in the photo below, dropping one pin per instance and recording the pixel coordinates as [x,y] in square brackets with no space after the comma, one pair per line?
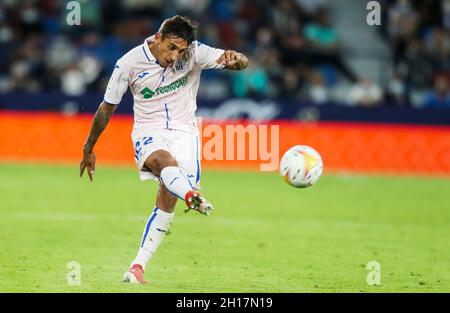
[294,49]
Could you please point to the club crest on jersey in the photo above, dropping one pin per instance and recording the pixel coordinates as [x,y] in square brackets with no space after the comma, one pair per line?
[184,64]
[181,65]
[148,94]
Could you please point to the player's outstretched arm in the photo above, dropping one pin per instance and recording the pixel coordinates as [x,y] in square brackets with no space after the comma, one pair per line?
[99,123]
[233,60]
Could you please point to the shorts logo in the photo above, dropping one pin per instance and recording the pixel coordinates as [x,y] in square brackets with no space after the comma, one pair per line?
[148,94]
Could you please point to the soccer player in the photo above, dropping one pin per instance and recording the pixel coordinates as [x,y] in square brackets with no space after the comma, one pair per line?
[163,74]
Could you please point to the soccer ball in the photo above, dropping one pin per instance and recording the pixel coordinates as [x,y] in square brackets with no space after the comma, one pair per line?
[301,166]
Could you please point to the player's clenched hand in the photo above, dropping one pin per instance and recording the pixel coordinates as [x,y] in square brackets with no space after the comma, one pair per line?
[229,58]
[88,162]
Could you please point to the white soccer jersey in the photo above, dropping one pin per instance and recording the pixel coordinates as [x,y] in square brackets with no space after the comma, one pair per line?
[163,97]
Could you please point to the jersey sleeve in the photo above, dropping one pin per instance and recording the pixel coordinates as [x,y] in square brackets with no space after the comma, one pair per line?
[117,85]
[207,56]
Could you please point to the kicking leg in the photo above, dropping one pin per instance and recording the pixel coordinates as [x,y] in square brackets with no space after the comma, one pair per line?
[176,180]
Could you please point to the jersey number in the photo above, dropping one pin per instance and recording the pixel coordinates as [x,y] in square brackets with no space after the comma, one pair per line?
[138,146]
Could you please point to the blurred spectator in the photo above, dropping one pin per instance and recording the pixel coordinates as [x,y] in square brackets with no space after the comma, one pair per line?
[420,44]
[365,93]
[292,81]
[294,47]
[60,54]
[321,35]
[250,83]
[29,18]
[73,82]
[395,91]
[311,7]
[196,7]
[437,45]
[446,14]
[402,19]
[323,45]
[440,95]
[317,89]
[286,18]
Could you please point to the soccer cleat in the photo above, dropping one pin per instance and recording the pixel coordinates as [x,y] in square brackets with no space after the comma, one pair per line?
[195,201]
[135,275]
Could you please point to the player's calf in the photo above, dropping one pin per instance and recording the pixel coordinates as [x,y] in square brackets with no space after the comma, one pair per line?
[165,200]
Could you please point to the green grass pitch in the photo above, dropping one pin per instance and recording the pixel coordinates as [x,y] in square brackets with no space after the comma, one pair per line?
[264,236]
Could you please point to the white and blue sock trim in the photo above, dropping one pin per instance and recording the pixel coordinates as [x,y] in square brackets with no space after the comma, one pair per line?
[149,223]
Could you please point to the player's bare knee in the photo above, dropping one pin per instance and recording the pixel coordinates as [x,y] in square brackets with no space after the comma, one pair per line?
[158,160]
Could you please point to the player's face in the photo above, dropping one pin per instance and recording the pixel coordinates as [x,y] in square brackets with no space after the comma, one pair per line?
[170,49]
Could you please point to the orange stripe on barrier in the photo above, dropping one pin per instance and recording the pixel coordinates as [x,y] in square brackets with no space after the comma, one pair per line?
[369,148]
[376,148]
[55,137]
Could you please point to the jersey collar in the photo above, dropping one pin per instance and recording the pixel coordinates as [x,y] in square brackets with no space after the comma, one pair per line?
[148,54]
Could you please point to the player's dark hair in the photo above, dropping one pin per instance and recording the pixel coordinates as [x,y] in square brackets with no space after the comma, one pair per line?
[179,26]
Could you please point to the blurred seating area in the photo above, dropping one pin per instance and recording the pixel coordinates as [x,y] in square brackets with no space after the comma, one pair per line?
[295,51]
[418,33]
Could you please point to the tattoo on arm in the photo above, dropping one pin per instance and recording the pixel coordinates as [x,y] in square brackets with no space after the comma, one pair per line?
[101,120]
